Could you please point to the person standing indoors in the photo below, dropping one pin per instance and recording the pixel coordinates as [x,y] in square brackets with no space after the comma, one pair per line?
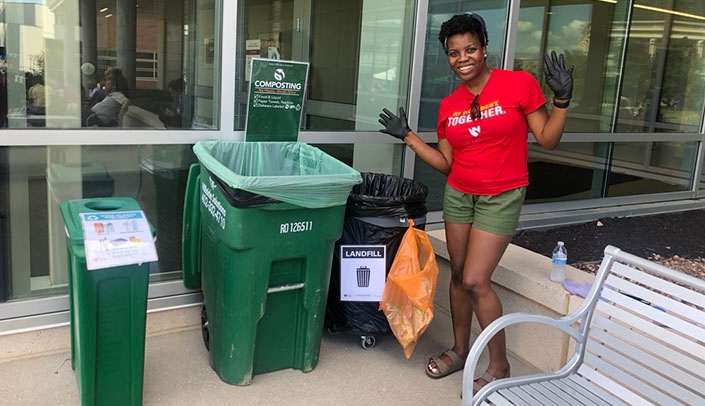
[483,150]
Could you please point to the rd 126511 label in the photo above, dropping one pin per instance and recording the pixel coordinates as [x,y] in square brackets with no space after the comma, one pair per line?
[295,227]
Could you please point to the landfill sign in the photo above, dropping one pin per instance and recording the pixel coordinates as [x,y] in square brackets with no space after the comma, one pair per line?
[276,100]
[362,272]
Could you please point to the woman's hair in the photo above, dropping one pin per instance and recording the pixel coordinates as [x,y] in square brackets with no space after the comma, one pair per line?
[462,23]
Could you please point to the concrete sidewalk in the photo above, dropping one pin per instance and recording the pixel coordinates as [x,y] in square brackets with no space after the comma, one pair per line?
[177,372]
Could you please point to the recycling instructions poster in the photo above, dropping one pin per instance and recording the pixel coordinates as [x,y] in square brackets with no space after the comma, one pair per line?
[276,99]
[115,239]
[362,272]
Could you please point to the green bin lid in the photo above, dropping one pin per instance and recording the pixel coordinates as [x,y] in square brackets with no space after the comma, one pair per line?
[291,172]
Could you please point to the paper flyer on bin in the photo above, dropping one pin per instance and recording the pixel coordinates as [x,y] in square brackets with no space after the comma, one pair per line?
[116,239]
[362,272]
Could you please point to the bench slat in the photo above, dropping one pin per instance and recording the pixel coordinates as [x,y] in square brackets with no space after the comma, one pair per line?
[605,382]
[572,392]
[641,373]
[621,384]
[647,326]
[585,383]
[514,396]
[685,313]
[692,296]
[545,398]
[565,394]
[663,360]
[496,399]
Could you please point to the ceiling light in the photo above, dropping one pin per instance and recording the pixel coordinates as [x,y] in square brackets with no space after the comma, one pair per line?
[108,15]
[663,10]
[103,10]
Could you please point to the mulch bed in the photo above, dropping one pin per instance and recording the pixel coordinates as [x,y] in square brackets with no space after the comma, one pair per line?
[674,239]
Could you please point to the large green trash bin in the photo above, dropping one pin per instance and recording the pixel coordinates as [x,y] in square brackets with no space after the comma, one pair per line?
[107,314]
[270,214]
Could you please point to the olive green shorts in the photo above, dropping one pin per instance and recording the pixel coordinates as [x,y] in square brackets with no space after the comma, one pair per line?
[497,214]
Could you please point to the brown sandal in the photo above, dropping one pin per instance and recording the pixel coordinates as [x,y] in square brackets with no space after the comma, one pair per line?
[487,377]
[445,369]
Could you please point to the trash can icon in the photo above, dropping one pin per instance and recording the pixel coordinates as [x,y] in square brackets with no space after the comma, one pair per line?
[363,277]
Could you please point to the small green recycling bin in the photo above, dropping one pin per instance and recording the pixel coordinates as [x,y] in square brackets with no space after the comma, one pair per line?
[108,305]
[261,250]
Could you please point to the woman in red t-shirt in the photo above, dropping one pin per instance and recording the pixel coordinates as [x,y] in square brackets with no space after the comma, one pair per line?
[482,148]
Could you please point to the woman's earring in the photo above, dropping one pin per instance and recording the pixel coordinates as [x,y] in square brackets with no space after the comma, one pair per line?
[485,55]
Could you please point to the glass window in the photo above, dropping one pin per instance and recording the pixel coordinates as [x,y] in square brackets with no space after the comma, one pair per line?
[622,83]
[629,66]
[59,63]
[108,63]
[359,53]
[652,167]
[359,62]
[588,34]
[664,52]
[439,80]
[34,180]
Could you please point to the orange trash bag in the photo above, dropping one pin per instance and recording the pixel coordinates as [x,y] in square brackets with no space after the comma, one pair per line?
[407,298]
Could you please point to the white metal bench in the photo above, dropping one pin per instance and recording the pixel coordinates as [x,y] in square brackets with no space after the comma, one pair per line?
[639,340]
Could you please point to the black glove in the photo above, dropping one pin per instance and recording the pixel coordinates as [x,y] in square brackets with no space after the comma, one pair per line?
[397,127]
[558,78]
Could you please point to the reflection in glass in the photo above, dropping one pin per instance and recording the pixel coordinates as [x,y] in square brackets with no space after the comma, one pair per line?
[656,166]
[665,52]
[359,53]
[107,63]
[34,180]
[576,173]
[623,83]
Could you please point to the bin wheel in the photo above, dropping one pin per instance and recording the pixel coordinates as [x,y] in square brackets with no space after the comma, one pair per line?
[204,328]
[333,329]
[368,342]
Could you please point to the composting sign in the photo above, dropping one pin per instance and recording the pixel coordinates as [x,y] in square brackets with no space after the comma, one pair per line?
[276,100]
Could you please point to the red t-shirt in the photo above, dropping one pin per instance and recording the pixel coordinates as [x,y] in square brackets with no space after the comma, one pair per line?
[490,153]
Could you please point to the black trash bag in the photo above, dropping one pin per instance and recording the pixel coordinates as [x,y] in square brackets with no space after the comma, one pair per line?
[242,199]
[376,214]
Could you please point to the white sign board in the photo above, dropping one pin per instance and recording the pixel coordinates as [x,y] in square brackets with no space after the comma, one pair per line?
[362,272]
[115,239]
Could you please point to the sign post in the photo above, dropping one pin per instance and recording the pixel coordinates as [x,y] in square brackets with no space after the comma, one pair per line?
[276,100]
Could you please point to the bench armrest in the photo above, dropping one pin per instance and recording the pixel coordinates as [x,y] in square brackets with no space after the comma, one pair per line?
[564,323]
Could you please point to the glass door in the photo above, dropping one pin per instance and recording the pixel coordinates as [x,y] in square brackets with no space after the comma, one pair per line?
[271,29]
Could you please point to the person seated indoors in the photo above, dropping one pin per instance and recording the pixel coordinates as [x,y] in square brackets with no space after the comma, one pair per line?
[106,112]
[36,96]
[92,92]
[171,114]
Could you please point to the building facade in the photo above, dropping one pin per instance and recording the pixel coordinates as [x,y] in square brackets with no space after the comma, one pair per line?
[634,140]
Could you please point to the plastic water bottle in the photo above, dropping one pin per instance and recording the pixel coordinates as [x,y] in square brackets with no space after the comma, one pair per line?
[560,257]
